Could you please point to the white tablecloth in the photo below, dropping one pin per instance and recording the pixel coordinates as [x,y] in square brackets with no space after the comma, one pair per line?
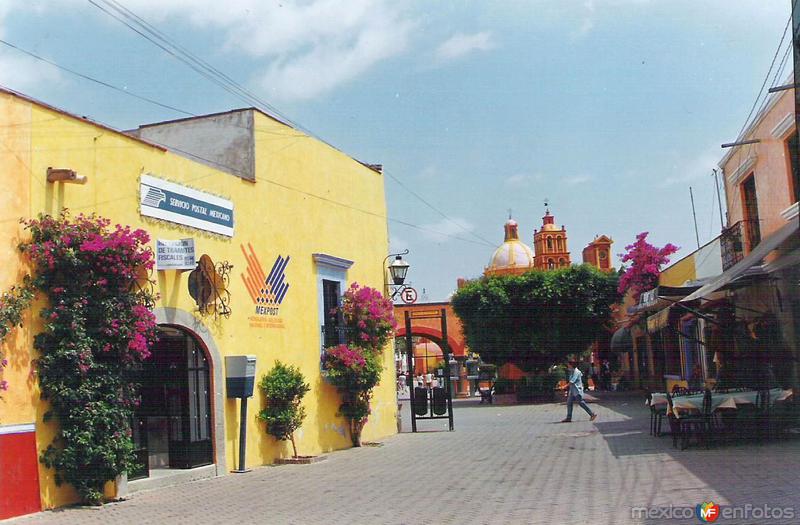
[723,400]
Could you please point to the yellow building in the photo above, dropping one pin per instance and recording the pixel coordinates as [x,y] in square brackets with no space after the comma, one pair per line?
[286,211]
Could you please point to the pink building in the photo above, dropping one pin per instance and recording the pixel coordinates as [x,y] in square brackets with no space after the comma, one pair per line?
[756,300]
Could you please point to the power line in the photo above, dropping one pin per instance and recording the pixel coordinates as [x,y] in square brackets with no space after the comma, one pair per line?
[147,31]
[162,41]
[431,206]
[763,84]
[225,167]
[92,79]
[244,94]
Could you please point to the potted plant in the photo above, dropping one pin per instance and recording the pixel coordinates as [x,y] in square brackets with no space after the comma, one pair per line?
[283,387]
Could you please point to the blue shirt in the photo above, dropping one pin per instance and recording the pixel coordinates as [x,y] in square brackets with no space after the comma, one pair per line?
[576,383]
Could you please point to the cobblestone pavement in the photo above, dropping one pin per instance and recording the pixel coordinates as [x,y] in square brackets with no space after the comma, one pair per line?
[504,465]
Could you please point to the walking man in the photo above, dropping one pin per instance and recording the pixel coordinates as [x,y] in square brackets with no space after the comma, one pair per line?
[575,392]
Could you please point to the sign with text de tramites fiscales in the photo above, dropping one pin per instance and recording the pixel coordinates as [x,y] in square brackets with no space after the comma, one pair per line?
[175,255]
[267,290]
[162,199]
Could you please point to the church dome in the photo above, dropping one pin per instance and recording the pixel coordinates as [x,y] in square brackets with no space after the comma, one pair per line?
[511,257]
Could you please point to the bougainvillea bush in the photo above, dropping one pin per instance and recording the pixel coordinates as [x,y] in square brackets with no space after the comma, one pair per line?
[355,372]
[355,368]
[368,315]
[97,330]
[646,263]
[13,304]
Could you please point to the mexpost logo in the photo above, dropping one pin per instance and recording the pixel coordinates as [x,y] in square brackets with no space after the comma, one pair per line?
[267,290]
[707,512]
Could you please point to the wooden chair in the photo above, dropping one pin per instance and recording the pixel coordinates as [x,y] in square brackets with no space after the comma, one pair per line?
[656,416]
[783,416]
[701,425]
[763,414]
[753,420]
[674,422]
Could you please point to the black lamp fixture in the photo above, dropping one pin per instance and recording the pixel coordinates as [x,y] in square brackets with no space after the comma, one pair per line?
[398,271]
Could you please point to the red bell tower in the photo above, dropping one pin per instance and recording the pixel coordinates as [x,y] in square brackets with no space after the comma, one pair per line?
[550,244]
[598,253]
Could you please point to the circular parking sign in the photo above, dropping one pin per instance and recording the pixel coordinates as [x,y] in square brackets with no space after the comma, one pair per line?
[409,295]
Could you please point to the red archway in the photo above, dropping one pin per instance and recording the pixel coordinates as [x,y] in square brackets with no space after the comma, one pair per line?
[431,328]
[456,347]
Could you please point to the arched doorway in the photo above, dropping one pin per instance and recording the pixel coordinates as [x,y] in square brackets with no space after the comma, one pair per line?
[172,425]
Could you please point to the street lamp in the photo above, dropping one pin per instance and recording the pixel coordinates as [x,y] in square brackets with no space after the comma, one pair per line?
[398,270]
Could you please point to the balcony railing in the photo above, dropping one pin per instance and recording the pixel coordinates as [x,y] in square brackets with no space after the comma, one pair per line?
[738,240]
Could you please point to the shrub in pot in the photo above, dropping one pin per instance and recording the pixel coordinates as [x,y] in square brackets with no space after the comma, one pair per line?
[284,387]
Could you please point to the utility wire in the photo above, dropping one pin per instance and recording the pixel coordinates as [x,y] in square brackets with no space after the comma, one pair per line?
[434,208]
[96,81]
[763,84]
[229,168]
[162,41]
[200,66]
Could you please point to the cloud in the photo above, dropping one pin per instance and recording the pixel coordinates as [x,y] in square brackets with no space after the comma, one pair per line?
[302,49]
[462,44]
[22,73]
[442,230]
[693,169]
[18,71]
[577,179]
[521,180]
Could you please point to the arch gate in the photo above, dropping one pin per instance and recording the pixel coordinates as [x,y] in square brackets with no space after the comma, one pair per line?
[434,398]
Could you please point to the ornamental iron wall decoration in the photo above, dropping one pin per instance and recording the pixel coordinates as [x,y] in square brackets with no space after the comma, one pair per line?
[143,282]
[208,286]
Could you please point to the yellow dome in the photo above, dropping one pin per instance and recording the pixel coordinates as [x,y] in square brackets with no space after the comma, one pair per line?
[512,256]
[549,227]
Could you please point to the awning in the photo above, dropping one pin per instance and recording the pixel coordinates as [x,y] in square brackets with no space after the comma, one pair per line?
[622,341]
[661,297]
[754,257]
[658,321]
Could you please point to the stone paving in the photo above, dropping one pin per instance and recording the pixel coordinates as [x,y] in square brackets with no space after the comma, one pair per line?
[502,465]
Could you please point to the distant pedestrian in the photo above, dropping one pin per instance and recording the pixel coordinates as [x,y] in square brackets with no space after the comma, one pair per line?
[605,375]
[585,369]
[575,393]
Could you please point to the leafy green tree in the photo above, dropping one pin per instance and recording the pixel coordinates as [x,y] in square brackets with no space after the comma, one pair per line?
[284,387]
[538,318]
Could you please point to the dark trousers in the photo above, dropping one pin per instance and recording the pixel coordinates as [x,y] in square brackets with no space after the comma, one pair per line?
[571,399]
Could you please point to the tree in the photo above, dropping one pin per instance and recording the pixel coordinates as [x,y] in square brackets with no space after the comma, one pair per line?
[538,318]
[646,263]
[284,388]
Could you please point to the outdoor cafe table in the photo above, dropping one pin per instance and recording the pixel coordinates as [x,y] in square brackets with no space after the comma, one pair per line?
[694,402]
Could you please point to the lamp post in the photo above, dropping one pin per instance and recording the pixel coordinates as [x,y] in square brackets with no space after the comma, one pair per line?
[398,270]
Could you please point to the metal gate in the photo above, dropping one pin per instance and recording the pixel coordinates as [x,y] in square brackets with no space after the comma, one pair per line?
[429,401]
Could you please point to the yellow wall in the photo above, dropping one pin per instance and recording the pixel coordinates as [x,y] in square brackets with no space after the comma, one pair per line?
[278,214]
[679,273]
